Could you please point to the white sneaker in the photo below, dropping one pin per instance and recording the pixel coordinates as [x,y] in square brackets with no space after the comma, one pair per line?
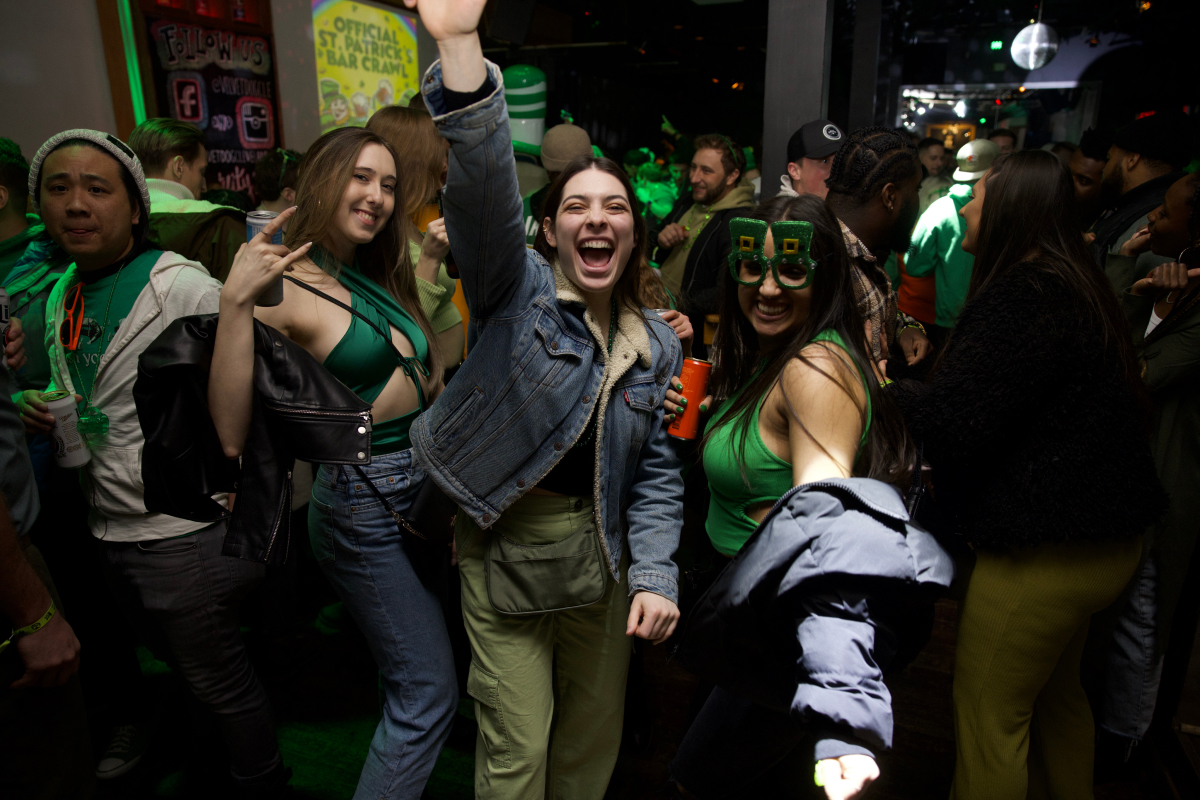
[125,749]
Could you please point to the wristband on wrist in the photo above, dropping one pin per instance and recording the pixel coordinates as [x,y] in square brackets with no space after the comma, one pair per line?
[914,324]
[32,627]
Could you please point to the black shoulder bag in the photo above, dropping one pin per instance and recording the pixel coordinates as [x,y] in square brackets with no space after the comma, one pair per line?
[430,521]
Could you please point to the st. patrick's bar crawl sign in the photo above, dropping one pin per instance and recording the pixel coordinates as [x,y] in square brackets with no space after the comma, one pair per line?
[223,83]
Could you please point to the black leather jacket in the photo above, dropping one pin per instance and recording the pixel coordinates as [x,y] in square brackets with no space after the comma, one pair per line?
[300,411]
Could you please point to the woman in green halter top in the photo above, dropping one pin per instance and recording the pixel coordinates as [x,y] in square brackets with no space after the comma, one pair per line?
[353,305]
[797,400]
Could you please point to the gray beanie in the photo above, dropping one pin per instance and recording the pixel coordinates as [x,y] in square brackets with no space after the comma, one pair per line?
[110,144]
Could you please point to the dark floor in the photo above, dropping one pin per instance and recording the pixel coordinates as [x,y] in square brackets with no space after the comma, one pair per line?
[324,691]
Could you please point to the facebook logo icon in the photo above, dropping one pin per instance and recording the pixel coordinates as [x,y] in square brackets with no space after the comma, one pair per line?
[188,101]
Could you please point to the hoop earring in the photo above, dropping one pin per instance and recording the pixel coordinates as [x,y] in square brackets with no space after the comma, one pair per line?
[1183,252]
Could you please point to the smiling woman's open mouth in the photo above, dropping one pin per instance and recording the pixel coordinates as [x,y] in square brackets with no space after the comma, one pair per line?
[596,254]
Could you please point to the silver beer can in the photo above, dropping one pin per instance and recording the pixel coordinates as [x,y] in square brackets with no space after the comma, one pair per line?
[255,222]
[70,450]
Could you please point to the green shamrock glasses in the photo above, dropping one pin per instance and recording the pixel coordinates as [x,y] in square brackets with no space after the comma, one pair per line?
[792,265]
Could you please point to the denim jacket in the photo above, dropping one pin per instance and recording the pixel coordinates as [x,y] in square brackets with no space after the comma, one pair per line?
[538,368]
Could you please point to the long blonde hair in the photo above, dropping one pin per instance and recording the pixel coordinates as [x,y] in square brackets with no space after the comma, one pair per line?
[420,153]
[327,168]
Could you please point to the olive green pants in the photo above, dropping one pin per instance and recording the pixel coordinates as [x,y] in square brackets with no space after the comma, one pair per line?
[549,688]
[1022,723]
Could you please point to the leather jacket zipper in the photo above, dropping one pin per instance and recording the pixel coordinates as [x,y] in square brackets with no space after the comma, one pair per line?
[285,500]
[363,415]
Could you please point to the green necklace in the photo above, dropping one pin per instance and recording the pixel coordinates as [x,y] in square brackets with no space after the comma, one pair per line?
[91,419]
[690,240]
[589,435]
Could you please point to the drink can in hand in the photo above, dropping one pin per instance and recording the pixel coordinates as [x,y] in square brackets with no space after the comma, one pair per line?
[255,222]
[695,388]
[70,450]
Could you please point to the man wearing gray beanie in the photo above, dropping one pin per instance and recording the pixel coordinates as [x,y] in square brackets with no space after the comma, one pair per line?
[111,303]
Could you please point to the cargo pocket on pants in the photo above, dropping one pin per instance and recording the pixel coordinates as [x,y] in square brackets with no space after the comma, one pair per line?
[485,688]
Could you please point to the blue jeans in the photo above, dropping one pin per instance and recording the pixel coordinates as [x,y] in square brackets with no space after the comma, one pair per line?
[362,553]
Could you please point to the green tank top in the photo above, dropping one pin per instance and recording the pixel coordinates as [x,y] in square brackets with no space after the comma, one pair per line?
[770,477]
[365,363]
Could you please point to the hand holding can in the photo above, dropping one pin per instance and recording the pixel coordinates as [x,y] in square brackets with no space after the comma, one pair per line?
[70,450]
[256,222]
[694,379]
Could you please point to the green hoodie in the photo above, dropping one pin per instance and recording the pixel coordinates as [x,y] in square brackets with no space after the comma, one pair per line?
[937,249]
[12,248]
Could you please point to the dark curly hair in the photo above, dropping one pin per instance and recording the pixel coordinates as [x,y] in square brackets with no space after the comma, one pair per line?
[870,159]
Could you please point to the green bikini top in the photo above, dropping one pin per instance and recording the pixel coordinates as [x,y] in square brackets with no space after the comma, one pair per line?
[770,477]
[364,361]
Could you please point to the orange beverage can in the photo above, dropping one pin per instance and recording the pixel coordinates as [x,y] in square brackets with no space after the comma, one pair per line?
[695,388]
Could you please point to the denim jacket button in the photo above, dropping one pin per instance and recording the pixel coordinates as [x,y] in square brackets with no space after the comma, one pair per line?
[558,445]
[520,483]
[487,517]
[587,398]
[554,345]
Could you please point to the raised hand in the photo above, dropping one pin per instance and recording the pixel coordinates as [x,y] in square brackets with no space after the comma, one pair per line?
[448,19]
[258,263]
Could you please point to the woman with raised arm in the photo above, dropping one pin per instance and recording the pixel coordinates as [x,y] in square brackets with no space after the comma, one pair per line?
[800,416]
[1035,424]
[550,439]
[350,283]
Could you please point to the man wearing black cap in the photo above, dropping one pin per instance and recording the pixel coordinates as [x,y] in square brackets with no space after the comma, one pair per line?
[1144,160]
[1087,171]
[810,155]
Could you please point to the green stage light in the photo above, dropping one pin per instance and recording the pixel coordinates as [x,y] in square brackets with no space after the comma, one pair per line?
[997,44]
[131,62]
[983,120]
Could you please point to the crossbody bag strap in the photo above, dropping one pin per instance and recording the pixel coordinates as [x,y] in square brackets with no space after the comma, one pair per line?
[401,522]
[405,361]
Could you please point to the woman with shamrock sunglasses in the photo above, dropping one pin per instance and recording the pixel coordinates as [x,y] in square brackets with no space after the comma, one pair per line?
[798,401]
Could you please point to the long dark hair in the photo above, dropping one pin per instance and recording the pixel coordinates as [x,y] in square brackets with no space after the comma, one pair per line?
[889,454]
[626,288]
[327,168]
[1030,206]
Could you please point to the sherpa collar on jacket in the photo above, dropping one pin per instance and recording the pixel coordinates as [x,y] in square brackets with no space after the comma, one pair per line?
[631,325]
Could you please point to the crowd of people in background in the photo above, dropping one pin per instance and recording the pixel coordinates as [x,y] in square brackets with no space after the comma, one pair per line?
[935,373]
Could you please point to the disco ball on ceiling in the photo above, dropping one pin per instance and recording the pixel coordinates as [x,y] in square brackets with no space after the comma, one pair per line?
[1035,46]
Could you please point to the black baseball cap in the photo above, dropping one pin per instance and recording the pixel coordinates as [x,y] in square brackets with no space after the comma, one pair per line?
[1162,137]
[815,139]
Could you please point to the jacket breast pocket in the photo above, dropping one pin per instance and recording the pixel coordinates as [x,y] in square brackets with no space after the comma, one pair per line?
[639,402]
[552,354]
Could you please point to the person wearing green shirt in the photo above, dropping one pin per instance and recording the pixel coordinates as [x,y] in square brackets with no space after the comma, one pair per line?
[937,241]
[17,228]
[117,296]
